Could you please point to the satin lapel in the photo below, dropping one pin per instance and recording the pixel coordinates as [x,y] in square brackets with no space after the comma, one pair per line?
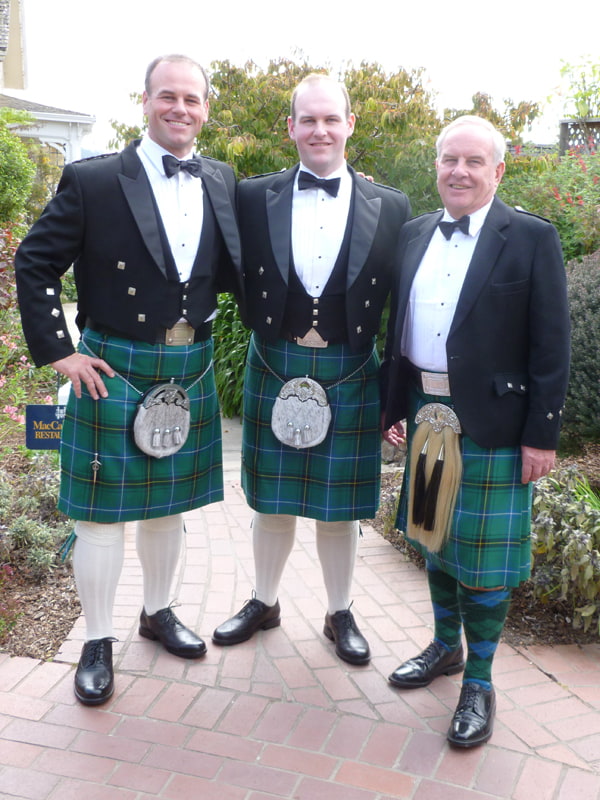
[367,208]
[137,191]
[216,189]
[491,241]
[279,218]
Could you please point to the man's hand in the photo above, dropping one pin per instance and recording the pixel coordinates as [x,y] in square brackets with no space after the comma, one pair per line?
[79,368]
[536,463]
[394,435]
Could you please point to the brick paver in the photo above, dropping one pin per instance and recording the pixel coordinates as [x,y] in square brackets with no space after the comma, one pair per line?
[280,716]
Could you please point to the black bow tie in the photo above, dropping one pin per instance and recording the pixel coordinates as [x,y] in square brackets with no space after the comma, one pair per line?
[172,166]
[448,228]
[308,181]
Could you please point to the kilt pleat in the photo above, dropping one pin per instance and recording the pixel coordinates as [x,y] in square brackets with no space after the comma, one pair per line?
[490,536]
[131,485]
[336,480]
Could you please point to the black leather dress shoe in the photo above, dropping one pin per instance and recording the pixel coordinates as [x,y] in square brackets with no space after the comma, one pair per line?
[94,678]
[473,720]
[254,616]
[435,660]
[350,644]
[171,633]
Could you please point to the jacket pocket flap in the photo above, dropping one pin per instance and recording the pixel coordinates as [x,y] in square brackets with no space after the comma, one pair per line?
[507,382]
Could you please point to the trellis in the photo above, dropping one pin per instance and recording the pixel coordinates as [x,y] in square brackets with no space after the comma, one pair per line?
[579,134]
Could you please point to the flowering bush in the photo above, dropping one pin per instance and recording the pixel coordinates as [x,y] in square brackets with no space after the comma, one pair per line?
[27,495]
[20,382]
[565,190]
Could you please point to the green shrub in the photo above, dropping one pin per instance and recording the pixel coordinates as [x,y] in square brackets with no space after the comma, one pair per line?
[231,344]
[31,527]
[16,172]
[581,418]
[566,544]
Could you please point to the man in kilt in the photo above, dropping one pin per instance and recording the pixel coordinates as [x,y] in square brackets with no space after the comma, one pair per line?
[479,335]
[152,235]
[318,245]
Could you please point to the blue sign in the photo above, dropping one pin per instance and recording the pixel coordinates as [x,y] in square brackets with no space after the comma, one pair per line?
[43,426]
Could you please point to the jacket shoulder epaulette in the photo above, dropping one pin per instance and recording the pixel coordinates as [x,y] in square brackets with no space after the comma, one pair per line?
[424,214]
[386,186]
[97,157]
[265,174]
[521,210]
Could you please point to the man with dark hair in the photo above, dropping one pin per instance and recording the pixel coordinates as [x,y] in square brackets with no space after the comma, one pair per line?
[477,361]
[152,235]
[318,244]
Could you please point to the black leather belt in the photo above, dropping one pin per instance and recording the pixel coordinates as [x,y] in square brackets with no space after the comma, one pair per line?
[179,334]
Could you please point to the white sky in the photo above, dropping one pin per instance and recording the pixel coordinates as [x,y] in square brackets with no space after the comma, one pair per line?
[89,55]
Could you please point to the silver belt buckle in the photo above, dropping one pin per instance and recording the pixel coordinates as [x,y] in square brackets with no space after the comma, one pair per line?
[312,338]
[436,383]
[181,333]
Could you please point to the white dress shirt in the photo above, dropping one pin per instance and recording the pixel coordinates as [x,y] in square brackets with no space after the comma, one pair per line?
[180,203]
[435,291]
[318,227]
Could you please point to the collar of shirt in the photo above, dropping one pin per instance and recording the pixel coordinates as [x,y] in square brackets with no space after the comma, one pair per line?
[152,153]
[476,219]
[342,173]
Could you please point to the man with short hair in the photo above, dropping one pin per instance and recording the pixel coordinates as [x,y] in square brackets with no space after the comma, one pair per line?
[318,244]
[477,361]
[153,237]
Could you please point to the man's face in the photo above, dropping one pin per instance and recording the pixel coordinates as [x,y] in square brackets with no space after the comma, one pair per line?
[320,127]
[467,177]
[175,107]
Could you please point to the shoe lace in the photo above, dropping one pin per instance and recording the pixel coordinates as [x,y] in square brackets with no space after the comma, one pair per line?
[430,654]
[94,651]
[344,619]
[469,694]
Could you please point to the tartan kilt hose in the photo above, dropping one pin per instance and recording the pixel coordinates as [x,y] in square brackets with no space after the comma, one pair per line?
[490,535]
[336,480]
[131,485]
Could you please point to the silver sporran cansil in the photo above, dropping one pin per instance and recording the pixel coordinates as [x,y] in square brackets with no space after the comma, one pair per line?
[162,420]
[301,413]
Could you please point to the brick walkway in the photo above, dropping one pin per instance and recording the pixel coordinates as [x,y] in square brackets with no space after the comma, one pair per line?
[280,716]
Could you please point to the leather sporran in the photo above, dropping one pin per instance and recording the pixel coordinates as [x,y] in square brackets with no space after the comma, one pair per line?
[301,413]
[162,420]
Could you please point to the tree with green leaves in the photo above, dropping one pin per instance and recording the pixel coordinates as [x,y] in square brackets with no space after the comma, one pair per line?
[16,169]
[393,141]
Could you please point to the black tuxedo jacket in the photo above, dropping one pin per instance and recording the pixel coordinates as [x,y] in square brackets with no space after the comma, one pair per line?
[104,221]
[265,212]
[508,345]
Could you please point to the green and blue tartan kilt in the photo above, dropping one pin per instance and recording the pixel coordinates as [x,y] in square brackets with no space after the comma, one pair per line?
[336,480]
[489,543]
[131,485]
